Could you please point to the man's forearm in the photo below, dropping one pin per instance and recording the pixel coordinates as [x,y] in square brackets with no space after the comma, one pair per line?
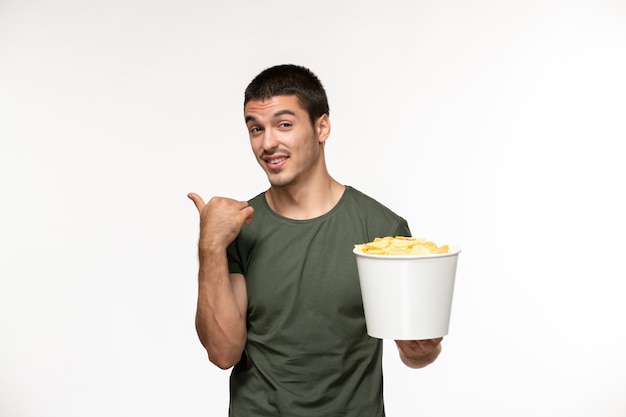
[220,323]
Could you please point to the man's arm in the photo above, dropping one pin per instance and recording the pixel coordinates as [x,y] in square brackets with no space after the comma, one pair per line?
[419,353]
[221,312]
[222,297]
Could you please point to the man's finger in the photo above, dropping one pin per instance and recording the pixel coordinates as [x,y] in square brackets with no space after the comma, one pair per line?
[249,213]
[197,200]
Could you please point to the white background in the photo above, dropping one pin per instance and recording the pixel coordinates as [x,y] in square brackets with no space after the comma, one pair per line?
[497,126]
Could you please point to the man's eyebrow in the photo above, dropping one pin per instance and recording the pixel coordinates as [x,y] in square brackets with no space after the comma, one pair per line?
[279,113]
[283,112]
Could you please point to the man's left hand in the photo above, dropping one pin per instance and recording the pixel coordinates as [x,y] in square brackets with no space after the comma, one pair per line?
[419,353]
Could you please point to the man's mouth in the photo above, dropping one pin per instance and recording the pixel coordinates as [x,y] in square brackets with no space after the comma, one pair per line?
[275,163]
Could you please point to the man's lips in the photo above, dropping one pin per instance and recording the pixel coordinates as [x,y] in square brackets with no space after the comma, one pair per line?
[275,162]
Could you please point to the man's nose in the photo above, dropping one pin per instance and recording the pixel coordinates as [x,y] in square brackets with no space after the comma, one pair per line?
[269,141]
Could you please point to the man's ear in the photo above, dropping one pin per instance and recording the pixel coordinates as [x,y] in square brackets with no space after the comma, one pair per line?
[322,127]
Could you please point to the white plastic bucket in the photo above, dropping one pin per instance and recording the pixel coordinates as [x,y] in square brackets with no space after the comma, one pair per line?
[407,297]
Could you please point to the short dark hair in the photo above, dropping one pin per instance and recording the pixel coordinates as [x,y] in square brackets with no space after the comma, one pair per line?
[289,79]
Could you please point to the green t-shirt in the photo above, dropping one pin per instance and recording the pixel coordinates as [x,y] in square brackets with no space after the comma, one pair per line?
[308,352]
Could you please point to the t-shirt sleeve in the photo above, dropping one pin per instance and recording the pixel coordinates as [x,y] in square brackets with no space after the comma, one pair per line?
[403,229]
[235,263]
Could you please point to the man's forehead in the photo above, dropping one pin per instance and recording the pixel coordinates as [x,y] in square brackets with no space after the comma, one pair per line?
[275,103]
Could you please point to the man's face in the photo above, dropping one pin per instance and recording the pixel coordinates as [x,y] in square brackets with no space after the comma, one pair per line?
[286,145]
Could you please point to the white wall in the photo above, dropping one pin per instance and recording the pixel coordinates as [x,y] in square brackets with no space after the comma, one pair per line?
[497,126]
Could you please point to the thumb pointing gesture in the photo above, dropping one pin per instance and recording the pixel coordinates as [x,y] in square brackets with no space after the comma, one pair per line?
[221,219]
[197,200]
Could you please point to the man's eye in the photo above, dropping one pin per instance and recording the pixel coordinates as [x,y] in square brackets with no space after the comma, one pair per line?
[285,125]
[255,129]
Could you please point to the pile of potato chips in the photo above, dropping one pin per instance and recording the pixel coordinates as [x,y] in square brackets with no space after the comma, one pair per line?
[401,245]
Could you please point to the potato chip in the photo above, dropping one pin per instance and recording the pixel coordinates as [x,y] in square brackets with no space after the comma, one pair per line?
[401,245]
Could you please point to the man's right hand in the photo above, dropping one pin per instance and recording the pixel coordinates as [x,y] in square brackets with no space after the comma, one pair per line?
[221,219]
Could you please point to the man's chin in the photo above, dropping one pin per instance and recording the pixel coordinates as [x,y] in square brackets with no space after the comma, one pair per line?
[277,182]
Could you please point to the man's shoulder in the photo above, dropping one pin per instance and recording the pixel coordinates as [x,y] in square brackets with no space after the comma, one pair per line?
[258,201]
[377,219]
[259,197]
[358,195]
[362,200]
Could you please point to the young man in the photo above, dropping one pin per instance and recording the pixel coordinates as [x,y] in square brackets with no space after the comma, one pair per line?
[278,290]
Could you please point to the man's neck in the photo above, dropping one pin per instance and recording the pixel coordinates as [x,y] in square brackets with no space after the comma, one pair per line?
[303,203]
